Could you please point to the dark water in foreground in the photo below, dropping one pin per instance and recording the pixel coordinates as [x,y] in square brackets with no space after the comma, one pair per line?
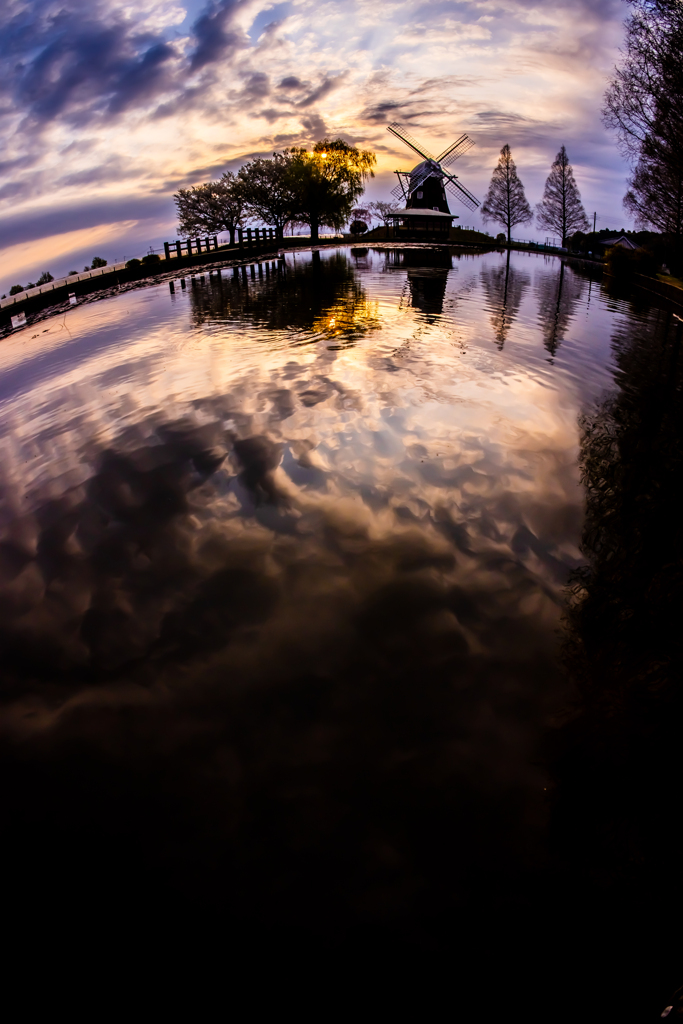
[283,569]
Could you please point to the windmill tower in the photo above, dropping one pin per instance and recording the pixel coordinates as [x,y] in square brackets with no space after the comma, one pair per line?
[424,188]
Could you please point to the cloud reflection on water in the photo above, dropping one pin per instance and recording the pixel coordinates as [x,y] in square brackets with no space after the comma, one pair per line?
[294,589]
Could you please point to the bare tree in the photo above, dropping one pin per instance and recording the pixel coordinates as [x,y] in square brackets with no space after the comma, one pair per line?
[209,208]
[655,194]
[649,77]
[382,210]
[644,106]
[505,200]
[561,209]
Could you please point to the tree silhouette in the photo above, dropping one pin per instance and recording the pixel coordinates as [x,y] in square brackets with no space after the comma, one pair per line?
[381,210]
[561,209]
[644,106]
[209,208]
[655,194]
[328,181]
[267,191]
[505,201]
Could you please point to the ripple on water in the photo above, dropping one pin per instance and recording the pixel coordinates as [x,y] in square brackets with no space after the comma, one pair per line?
[305,532]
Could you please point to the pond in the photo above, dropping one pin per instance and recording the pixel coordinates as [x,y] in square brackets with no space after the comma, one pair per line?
[284,564]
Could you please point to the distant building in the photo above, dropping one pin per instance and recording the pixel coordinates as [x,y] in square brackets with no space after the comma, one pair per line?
[621,240]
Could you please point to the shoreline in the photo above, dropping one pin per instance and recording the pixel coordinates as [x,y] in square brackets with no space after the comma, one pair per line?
[54,298]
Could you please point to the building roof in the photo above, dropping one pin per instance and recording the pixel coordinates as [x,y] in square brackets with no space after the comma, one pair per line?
[621,240]
[421,213]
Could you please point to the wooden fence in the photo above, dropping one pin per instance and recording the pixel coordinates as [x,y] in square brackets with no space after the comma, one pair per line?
[249,239]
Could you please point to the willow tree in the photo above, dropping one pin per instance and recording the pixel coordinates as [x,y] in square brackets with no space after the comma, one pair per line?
[561,209]
[328,182]
[505,200]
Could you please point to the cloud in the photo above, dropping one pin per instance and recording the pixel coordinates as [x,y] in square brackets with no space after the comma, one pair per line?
[387,110]
[83,68]
[325,87]
[315,124]
[215,34]
[291,82]
[88,213]
[158,90]
[113,170]
[63,252]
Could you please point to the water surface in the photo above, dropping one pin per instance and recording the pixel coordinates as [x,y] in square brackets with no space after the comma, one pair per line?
[283,572]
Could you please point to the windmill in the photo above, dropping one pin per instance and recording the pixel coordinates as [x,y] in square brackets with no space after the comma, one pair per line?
[424,188]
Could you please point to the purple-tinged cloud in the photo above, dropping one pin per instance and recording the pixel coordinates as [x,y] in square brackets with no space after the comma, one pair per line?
[216,37]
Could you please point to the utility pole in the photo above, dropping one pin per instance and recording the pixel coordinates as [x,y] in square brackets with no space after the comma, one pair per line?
[594,216]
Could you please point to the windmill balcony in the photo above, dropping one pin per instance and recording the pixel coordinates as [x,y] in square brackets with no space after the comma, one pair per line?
[421,224]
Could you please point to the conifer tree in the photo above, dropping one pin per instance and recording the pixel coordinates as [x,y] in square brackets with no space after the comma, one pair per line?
[505,200]
[561,209]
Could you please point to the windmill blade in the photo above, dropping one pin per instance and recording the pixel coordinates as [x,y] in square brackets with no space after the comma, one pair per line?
[460,146]
[406,137]
[419,179]
[461,193]
[450,149]
[402,190]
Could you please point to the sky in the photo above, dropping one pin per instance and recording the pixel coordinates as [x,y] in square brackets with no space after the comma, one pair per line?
[108,107]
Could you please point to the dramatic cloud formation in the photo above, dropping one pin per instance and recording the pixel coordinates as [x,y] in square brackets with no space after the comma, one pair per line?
[112,105]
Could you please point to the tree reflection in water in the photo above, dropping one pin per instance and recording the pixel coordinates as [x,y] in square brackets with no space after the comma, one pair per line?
[558,293]
[618,767]
[504,287]
[325,295]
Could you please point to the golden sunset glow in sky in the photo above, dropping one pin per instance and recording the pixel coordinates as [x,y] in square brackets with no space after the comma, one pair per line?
[109,107]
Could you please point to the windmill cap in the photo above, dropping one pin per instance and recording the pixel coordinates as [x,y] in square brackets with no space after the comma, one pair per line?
[424,166]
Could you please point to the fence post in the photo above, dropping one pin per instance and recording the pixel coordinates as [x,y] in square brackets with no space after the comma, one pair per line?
[167,251]
[207,243]
[178,250]
[188,243]
[215,241]
[256,237]
[198,243]
[240,236]
[249,238]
